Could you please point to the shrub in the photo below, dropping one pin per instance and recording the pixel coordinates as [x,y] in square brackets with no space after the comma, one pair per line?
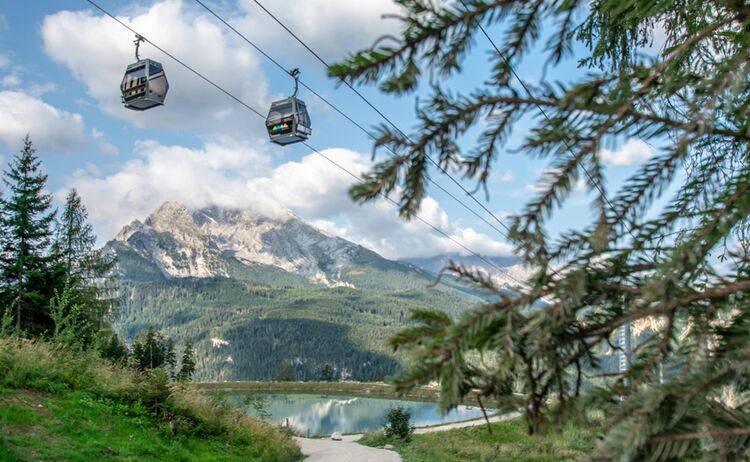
[398,423]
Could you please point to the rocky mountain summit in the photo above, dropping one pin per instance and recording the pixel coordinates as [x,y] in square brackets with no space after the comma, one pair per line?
[238,281]
[209,242]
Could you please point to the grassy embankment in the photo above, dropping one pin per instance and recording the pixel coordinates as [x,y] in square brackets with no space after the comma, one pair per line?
[56,405]
[508,442]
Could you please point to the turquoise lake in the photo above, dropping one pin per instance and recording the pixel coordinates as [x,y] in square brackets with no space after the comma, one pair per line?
[317,415]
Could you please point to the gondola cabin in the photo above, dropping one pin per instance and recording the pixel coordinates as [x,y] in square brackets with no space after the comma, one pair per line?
[288,121]
[144,85]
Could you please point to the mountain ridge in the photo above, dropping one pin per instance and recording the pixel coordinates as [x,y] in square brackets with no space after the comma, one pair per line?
[207,242]
[258,293]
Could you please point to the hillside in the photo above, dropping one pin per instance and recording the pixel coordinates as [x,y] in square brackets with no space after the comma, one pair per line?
[257,292]
[61,405]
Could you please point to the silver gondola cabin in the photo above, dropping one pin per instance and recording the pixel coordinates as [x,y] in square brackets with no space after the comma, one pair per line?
[145,84]
[288,121]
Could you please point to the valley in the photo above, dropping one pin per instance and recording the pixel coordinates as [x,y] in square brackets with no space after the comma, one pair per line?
[264,296]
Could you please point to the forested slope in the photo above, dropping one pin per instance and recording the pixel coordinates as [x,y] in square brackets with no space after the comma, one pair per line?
[265,325]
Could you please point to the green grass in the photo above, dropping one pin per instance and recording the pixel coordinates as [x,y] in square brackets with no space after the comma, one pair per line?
[58,405]
[509,442]
[79,427]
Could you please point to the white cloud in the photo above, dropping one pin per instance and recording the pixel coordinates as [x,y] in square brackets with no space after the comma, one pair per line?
[96,50]
[237,175]
[216,174]
[10,80]
[40,89]
[101,143]
[541,185]
[505,176]
[632,152]
[333,28]
[50,128]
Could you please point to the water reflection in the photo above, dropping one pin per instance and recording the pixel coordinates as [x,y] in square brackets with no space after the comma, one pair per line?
[316,415]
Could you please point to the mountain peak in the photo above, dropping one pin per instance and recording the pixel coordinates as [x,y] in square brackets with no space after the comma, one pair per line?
[211,241]
[168,215]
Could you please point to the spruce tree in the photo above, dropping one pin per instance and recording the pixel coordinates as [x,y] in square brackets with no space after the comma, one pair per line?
[327,374]
[170,357]
[667,248]
[88,271]
[29,276]
[74,237]
[187,365]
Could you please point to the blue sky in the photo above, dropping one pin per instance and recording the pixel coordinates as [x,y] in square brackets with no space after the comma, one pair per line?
[60,67]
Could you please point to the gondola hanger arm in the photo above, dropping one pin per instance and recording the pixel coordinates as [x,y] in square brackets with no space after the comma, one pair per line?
[137,42]
[295,75]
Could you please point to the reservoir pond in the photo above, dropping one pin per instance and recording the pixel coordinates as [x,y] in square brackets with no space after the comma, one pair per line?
[319,415]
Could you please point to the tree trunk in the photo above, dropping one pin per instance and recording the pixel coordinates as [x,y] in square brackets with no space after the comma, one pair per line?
[19,302]
[484,412]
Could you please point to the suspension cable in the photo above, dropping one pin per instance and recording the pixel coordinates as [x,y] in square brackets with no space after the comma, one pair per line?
[344,169]
[383,116]
[347,117]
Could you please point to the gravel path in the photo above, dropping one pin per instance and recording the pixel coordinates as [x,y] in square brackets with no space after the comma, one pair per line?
[343,451]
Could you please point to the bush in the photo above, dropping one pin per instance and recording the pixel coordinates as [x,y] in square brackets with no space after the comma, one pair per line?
[398,423]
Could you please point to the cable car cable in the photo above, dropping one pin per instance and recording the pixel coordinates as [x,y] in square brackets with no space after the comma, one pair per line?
[176,59]
[347,117]
[544,113]
[435,228]
[253,110]
[380,113]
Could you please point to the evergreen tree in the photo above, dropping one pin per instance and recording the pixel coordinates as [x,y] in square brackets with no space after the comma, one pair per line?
[113,348]
[327,374]
[88,271]
[651,254]
[74,237]
[170,357]
[284,372]
[28,274]
[136,355]
[149,350]
[187,365]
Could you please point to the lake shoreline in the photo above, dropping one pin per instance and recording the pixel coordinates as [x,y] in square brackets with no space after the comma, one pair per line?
[361,389]
[322,414]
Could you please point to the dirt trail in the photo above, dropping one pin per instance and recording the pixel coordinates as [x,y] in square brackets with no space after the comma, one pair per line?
[343,451]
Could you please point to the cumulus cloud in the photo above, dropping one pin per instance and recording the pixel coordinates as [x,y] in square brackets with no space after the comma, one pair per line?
[321,24]
[96,50]
[632,152]
[216,174]
[10,80]
[51,129]
[12,77]
[237,175]
[101,143]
